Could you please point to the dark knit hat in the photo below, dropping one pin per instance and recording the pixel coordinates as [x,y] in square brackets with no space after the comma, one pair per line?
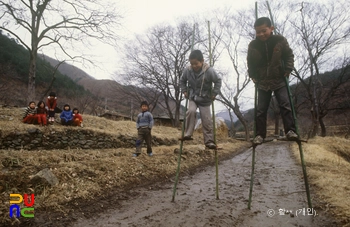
[65,106]
[144,103]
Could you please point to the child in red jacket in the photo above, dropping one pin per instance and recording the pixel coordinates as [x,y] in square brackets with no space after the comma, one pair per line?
[77,118]
[51,105]
[41,112]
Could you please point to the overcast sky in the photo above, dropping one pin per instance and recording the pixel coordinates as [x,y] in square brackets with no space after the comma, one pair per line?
[140,15]
[145,14]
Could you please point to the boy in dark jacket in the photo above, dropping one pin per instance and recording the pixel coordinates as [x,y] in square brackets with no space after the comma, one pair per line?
[270,59]
[200,92]
[144,125]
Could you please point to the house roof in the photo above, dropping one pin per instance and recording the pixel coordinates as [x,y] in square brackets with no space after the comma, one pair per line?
[165,116]
[113,113]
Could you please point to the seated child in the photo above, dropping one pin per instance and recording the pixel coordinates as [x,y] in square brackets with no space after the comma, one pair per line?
[41,113]
[29,116]
[77,118]
[66,115]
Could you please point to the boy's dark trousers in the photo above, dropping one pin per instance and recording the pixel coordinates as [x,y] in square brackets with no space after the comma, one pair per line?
[64,122]
[51,113]
[264,98]
[144,134]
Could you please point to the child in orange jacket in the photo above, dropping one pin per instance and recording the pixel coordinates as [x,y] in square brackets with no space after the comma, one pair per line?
[77,118]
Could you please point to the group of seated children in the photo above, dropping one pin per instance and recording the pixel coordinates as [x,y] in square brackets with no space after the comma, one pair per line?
[69,117]
[40,113]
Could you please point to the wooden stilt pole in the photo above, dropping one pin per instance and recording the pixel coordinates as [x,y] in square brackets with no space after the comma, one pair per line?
[182,133]
[253,152]
[296,128]
[254,134]
[214,123]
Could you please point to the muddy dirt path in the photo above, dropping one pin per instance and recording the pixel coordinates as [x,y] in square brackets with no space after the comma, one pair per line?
[278,185]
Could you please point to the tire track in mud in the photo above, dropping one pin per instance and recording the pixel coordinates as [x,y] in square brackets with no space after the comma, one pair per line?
[278,185]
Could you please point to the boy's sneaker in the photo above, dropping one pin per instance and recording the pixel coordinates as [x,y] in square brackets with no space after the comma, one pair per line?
[258,140]
[150,154]
[292,136]
[186,138]
[135,154]
[211,146]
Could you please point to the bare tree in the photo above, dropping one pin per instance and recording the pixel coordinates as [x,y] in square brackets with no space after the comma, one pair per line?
[319,42]
[53,78]
[86,102]
[60,24]
[235,83]
[156,61]
[137,94]
[331,96]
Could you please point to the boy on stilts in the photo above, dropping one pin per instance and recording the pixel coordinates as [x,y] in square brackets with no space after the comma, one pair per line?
[200,77]
[270,59]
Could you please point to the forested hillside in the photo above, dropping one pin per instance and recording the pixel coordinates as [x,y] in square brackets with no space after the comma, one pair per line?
[14,65]
[71,84]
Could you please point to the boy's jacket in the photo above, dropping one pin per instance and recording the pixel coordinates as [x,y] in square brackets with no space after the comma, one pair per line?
[268,61]
[67,115]
[200,87]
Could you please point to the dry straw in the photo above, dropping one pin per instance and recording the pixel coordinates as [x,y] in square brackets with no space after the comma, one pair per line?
[85,174]
[328,168]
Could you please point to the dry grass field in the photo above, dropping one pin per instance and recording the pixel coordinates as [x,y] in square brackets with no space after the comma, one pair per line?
[86,175]
[327,160]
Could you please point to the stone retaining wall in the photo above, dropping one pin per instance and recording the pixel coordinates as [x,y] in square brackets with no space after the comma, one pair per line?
[35,138]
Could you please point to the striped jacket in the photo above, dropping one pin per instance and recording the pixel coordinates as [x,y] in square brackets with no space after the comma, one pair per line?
[28,111]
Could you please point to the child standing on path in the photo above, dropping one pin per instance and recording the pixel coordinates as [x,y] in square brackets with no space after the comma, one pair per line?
[51,105]
[41,113]
[200,77]
[77,118]
[144,126]
[29,115]
[66,115]
[270,59]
